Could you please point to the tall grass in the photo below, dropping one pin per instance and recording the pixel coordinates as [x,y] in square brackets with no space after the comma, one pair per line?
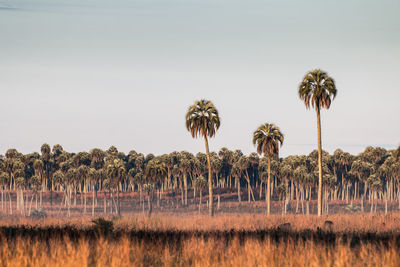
[194,240]
[237,221]
[193,252]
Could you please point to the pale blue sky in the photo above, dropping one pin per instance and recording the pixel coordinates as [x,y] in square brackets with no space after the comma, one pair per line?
[98,73]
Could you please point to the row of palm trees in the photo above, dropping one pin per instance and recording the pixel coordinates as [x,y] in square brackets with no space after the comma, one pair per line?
[181,177]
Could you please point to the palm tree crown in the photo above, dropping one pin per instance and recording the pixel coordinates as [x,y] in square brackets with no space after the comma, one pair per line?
[267,139]
[202,119]
[318,88]
[155,171]
[397,154]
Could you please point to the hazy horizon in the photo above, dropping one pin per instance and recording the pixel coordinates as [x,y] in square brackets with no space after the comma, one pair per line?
[88,74]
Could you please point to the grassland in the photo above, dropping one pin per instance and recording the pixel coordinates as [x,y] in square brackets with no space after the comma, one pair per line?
[197,240]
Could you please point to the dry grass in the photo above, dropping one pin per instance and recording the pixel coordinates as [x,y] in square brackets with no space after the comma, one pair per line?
[200,251]
[238,221]
[194,252]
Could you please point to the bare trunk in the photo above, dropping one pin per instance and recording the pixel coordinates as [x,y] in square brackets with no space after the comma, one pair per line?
[105,201]
[185,187]
[200,200]
[9,198]
[84,193]
[238,188]
[210,186]
[93,202]
[118,204]
[319,163]
[150,202]
[268,195]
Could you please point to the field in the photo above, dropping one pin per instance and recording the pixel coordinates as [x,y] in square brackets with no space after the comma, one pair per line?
[189,239]
[176,235]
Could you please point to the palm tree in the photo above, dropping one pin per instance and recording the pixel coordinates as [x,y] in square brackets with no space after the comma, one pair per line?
[362,170]
[319,89]
[244,164]
[155,172]
[59,178]
[236,172]
[38,168]
[4,179]
[267,138]
[286,174]
[200,183]
[116,172]
[46,158]
[83,172]
[202,119]
[69,177]
[184,167]
[93,178]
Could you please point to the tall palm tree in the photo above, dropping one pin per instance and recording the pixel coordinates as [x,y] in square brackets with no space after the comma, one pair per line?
[202,119]
[267,138]
[318,89]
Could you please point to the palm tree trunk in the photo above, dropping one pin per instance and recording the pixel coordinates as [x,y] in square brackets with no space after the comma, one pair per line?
[319,163]
[238,188]
[268,195]
[210,187]
[9,198]
[200,201]
[150,198]
[41,199]
[386,196]
[297,199]
[291,190]
[118,207]
[363,197]
[105,200]
[93,202]
[182,191]
[68,200]
[287,196]
[30,205]
[249,189]
[185,187]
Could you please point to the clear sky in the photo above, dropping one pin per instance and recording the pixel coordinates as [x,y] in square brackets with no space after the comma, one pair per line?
[95,73]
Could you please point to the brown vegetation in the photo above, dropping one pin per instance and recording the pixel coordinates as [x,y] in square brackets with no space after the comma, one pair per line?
[194,252]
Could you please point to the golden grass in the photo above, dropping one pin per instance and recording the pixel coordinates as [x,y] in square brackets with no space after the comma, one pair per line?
[199,251]
[194,252]
[237,221]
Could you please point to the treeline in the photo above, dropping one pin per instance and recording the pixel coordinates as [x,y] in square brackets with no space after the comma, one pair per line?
[373,175]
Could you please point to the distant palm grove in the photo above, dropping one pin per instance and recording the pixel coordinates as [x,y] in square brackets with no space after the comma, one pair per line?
[372,176]
[181,178]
